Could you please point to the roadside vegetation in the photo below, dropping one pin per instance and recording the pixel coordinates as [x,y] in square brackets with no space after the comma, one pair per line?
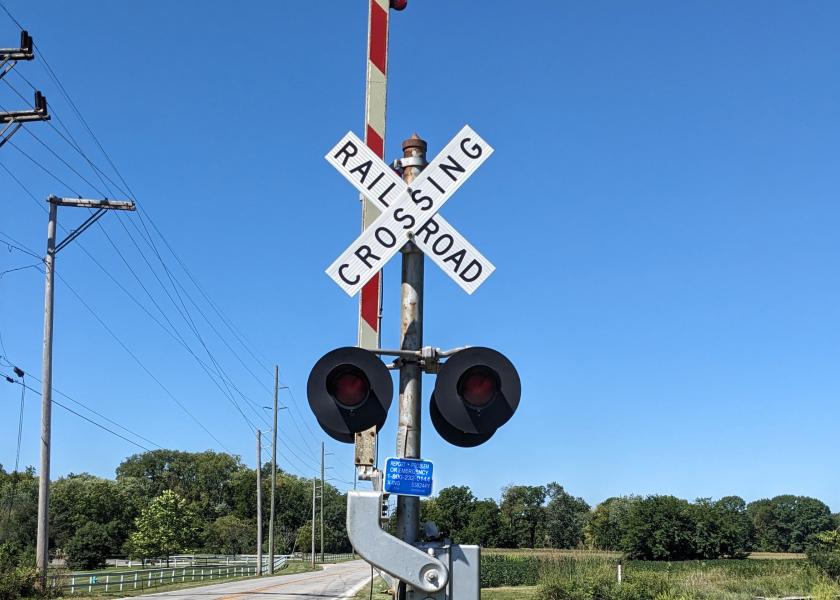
[594,576]
[169,502]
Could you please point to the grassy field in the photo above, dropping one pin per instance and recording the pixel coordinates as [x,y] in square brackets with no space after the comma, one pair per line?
[588,575]
[582,575]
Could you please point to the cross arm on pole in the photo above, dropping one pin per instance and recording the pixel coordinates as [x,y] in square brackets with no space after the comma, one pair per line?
[25,52]
[101,207]
[39,113]
[86,203]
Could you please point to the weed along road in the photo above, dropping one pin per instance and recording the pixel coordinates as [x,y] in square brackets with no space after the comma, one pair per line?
[335,581]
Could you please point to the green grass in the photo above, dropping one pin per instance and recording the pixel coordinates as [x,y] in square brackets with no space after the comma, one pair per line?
[380,591]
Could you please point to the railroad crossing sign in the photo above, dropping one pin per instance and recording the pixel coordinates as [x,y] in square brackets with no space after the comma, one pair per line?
[409,212]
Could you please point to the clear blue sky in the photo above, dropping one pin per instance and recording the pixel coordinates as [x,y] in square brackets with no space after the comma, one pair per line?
[662,209]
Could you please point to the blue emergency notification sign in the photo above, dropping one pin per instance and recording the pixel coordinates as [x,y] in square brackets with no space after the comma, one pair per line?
[408,477]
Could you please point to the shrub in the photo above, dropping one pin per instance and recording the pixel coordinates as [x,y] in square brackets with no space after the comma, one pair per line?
[498,570]
[89,547]
[583,587]
[17,582]
[600,586]
[824,552]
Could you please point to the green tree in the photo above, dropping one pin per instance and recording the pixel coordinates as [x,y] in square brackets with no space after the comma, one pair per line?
[660,528]
[607,525]
[786,523]
[735,527]
[565,517]
[89,546]
[485,523]
[522,515]
[824,551]
[167,526]
[79,500]
[202,478]
[231,535]
[451,511]
[18,512]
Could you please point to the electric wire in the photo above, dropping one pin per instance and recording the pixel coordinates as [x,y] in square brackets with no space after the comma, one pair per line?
[81,416]
[108,328]
[4,360]
[141,364]
[100,174]
[136,359]
[223,376]
[2,273]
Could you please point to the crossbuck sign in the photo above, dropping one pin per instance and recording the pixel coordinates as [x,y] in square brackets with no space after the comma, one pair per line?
[409,212]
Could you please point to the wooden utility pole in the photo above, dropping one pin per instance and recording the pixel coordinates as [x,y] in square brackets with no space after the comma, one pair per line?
[322,502]
[42,548]
[313,523]
[273,473]
[259,505]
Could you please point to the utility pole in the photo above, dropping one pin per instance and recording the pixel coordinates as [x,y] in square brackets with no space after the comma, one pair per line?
[42,556]
[411,338]
[273,472]
[259,505]
[15,119]
[322,502]
[313,522]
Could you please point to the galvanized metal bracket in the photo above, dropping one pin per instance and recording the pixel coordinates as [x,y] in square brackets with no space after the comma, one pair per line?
[409,161]
[427,357]
[399,559]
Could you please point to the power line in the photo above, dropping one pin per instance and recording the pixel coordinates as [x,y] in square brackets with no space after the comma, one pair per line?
[141,364]
[81,416]
[15,21]
[43,168]
[179,338]
[100,320]
[5,360]
[183,310]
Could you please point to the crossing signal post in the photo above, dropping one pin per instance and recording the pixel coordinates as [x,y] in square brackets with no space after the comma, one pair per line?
[477,390]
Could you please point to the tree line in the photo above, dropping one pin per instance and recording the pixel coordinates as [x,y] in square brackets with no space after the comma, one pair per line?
[648,528]
[167,502]
[163,502]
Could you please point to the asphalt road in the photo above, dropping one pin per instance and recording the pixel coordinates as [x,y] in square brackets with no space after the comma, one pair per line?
[333,583]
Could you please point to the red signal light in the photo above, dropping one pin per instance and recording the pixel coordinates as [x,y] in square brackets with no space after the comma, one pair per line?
[478,387]
[350,388]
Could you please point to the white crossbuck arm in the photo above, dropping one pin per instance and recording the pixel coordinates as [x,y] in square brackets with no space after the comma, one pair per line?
[410,212]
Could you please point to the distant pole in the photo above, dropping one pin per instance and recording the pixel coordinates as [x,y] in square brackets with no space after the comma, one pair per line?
[322,502]
[313,522]
[259,505]
[42,556]
[273,472]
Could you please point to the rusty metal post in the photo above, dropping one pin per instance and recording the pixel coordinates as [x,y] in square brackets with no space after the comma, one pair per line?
[411,338]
